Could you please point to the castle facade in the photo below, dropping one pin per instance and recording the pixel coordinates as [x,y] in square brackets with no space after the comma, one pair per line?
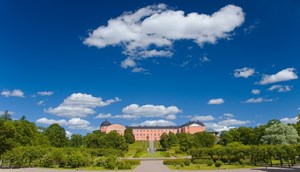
[152,133]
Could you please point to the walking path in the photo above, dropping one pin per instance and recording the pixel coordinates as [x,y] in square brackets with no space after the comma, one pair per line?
[156,166]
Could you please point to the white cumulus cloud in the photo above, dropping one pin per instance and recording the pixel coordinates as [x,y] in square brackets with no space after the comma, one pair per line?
[73,123]
[280,88]
[160,122]
[289,120]
[258,100]
[152,30]
[13,93]
[203,118]
[283,75]
[233,122]
[255,91]
[216,101]
[150,110]
[244,72]
[80,105]
[45,93]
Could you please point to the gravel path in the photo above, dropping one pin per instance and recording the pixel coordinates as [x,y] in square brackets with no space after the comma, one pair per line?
[156,166]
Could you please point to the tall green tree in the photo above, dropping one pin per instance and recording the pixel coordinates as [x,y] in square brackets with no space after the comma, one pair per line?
[6,116]
[204,139]
[26,133]
[76,140]
[172,139]
[279,133]
[7,136]
[164,141]
[128,135]
[56,135]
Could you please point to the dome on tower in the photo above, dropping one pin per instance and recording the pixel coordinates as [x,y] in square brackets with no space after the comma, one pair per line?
[105,123]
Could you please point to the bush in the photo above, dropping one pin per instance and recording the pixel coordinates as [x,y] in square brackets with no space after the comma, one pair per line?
[178,151]
[179,162]
[200,161]
[132,161]
[100,162]
[187,162]
[124,166]
[210,163]
[111,162]
[218,164]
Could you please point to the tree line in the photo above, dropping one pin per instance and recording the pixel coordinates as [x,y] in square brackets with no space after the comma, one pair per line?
[22,142]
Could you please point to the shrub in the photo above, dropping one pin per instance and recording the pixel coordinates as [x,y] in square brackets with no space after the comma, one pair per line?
[187,162]
[210,163]
[200,161]
[111,162]
[124,166]
[179,162]
[132,161]
[218,164]
[100,162]
[178,151]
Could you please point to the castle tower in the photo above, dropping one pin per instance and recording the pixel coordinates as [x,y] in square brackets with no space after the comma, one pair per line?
[104,126]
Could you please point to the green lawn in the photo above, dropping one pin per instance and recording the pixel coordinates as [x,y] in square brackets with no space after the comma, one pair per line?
[89,168]
[205,167]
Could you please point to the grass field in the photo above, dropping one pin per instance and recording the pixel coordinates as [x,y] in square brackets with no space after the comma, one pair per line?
[139,150]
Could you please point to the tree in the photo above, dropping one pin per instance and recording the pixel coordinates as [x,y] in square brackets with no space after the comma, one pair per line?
[297,126]
[76,140]
[26,133]
[226,138]
[279,133]
[164,141]
[56,135]
[185,141]
[128,135]
[6,116]
[172,139]
[113,140]
[204,139]
[7,136]
[247,135]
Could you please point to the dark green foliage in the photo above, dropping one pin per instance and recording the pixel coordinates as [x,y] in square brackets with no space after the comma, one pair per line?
[124,166]
[132,161]
[7,136]
[218,164]
[6,116]
[178,162]
[210,163]
[164,141]
[204,139]
[76,140]
[111,162]
[56,135]
[128,135]
[185,141]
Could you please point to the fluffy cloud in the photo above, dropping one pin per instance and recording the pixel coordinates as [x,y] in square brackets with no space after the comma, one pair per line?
[255,91]
[226,124]
[289,120]
[258,100]
[80,105]
[45,93]
[216,101]
[146,32]
[106,116]
[233,122]
[280,88]
[51,121]
[203,118]
[160,122]
[217,127]
[204,59]
[150,110]
[284,75]
[13,93]
[74,123]
[244,72]
[228,115]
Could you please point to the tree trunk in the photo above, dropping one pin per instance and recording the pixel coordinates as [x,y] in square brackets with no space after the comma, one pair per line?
[281,163]
[271,163]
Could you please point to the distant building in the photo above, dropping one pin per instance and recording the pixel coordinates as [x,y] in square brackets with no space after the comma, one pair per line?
[144,133]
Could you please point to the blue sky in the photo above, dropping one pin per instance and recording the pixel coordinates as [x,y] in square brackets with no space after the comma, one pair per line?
[225,63]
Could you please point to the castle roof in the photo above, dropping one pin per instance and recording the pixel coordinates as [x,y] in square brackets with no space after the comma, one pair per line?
[192,122]
[105,123]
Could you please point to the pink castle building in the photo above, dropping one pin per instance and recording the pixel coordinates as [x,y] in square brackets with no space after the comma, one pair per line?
[152,133]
